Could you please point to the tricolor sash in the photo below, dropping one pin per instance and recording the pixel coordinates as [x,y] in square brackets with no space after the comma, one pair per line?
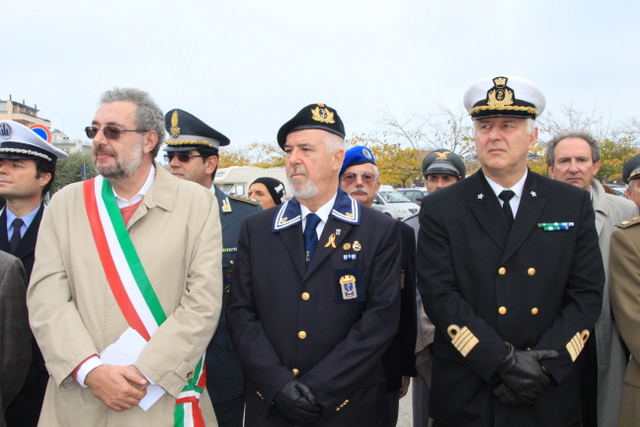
[131,287]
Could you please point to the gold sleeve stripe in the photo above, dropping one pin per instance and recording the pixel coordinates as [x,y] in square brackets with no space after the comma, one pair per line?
[462,339]
[575,346]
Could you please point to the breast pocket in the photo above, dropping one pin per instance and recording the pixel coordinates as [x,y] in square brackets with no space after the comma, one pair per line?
[350,284]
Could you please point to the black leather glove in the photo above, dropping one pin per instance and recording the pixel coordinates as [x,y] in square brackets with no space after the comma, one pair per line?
[297,404]
[522,377]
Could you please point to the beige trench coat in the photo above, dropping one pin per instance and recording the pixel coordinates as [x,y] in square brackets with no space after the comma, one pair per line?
[176,232]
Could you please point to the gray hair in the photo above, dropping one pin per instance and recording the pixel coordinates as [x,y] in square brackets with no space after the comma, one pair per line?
[333,142]
[572,133]
[148,115]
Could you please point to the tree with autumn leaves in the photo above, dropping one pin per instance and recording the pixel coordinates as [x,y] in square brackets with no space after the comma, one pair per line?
[400,144]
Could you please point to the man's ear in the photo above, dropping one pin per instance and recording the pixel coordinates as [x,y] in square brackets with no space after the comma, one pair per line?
[150,141]
[212,164]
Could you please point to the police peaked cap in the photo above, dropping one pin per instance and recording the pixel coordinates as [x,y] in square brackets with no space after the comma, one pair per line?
[187,132]
[631,169]
[314,116]
[504,97]
[443,161]
[19,142]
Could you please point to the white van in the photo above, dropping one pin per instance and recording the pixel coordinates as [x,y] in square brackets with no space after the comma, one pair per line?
[393,203]
[236,180]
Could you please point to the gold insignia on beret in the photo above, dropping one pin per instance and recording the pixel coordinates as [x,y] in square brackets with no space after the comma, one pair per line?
[322,114]
[462,339]
[175,130]
[575,346]
[442,155]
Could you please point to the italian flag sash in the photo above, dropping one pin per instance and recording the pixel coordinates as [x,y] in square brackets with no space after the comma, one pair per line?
[131,287]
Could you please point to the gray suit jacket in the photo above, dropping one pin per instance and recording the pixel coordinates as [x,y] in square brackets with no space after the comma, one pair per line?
[15,336]
[612,362]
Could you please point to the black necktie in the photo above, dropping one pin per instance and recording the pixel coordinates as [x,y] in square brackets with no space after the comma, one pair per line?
[506,195]
[15,237]
[310,236]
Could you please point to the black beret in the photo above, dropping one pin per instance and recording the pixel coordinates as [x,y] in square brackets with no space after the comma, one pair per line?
[187,132]
[443,161]
[314,116]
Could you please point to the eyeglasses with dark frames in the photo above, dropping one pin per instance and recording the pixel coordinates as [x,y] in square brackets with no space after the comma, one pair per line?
[109,132]
[351,177]
[182,157]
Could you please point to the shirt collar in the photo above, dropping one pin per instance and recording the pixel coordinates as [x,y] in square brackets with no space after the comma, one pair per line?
[323,212]
[518,188]
[27,219]
[342,207]
[123,203]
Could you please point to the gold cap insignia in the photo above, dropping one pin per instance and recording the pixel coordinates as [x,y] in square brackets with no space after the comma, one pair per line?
[322,114]
[175,130]
[442,155]
[348,287]
[500,95]
[462,339]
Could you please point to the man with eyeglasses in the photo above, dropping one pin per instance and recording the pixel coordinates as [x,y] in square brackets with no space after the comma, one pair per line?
[126,293]
[315,300]
[192,153]
[27,172]
[360,178]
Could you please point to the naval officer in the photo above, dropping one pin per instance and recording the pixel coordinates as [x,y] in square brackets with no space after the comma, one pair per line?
[511,275]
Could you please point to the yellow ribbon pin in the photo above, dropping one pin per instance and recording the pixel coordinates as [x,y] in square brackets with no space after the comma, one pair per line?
[332,241]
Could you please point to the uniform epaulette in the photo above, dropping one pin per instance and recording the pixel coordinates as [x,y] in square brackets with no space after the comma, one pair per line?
[244,199]
[629,222]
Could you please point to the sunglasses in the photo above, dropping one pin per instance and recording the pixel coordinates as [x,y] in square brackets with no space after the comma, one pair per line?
[351,177]
[109,132]
[182,157]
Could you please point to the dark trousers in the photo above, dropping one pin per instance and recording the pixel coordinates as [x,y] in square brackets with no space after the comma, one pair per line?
[589,384]
[230,412]
[393,406]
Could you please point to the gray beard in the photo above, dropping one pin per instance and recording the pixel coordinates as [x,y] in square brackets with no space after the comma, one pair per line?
[309,190]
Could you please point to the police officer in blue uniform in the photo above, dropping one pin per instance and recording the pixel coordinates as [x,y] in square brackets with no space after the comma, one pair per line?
[27,171]
[192,153]
[316,296]
[511,275]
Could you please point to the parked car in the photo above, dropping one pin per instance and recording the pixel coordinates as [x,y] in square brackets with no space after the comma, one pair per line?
[619,189]
[414,195]
[394,204]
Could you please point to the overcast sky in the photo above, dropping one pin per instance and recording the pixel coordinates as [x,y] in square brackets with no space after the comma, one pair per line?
[245,67]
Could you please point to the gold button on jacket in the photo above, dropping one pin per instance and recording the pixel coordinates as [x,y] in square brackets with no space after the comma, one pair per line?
[302,335]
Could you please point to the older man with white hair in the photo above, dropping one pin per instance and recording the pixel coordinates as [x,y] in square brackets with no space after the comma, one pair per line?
[316,301]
